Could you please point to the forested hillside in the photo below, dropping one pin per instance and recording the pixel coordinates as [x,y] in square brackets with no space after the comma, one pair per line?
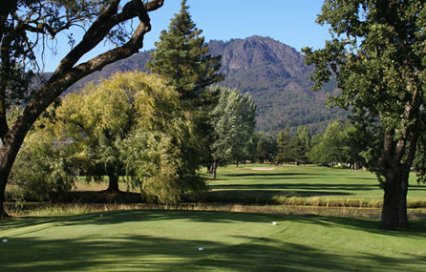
[273,73]
[278,80]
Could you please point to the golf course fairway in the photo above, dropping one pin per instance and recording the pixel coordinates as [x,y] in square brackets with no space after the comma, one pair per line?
[207,241]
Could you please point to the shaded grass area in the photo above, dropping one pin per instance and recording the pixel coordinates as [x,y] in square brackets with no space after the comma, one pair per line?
[169,241]
[58,210]
[101,197]
[304,185]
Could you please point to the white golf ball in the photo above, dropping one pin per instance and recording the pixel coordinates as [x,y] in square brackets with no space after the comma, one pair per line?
[200,249]
[274,223]
[5,240]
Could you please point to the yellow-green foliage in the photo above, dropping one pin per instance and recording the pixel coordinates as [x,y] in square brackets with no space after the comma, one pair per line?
[43,168]
[135,124]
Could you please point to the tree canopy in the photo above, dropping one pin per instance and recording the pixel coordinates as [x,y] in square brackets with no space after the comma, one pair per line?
[377,57]
[24,28]
[233,121]
[132,126]
[183,57]
[340,143]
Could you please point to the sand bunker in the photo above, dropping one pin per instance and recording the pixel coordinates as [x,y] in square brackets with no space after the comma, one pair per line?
[262,168]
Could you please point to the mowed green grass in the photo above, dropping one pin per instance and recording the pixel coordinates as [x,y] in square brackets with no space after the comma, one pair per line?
[309,185]
[292,185]
[170,241]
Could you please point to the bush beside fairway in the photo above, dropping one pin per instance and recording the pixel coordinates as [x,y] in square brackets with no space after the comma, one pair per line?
[170,241]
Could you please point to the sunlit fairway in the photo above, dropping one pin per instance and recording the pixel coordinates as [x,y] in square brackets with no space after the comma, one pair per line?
[305,185]
[224,241]
[170,241]
[289,184]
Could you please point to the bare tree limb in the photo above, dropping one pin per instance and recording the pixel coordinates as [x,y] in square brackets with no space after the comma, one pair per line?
[93,37]
[66,75]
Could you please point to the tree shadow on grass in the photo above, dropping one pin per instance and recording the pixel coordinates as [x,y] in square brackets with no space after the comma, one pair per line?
[153,253]
[118,217]
[365,178]
[417,228]
[101,197]
[417,188]
[147,253]
[300,186]
[16,222]
[251,197]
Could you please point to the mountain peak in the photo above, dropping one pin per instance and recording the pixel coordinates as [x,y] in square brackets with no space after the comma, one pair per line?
[258,38]
[272,72]
[265,40]
[261,54]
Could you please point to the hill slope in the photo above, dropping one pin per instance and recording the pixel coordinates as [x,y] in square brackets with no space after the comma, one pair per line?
[278,80]
[272,72]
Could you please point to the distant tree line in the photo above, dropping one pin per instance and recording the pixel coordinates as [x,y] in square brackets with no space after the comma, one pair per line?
[336,146]
[342,144]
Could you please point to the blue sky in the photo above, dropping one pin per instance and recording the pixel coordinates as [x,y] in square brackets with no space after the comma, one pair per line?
[289,21]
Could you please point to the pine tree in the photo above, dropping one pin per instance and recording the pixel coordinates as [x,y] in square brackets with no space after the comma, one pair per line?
[182,56]
[283,146]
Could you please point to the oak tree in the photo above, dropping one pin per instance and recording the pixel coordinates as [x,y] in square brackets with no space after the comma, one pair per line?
[377,55]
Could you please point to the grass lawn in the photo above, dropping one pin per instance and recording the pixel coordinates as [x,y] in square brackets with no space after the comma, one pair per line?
[290,185]
[304,185]
[170,241]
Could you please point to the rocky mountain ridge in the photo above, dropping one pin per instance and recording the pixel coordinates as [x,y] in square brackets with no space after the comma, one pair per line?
[273,73]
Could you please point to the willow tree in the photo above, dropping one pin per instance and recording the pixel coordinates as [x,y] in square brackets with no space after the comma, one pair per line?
[377,55]
[131,125]
[24,28]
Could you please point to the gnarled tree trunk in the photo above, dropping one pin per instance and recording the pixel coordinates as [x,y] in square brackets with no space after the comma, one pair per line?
[394,211]
[399,149]
[9,150]
[397,158]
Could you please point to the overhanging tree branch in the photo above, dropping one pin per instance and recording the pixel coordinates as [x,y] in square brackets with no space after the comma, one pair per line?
[65,75]
[68,72]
